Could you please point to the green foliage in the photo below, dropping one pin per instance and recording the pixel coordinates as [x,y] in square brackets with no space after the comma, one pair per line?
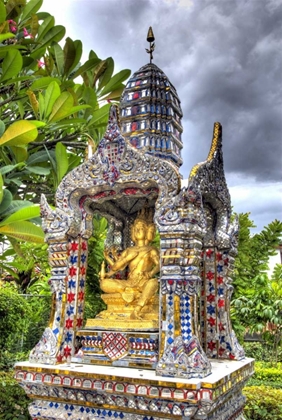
[47,115]
[257,300]
[13,399]
[267,375]
[28,268]
[14,311]
[254,252]
[94,303]
[23,319]
[96,253]
[261,351]
[263,403]
[40,307]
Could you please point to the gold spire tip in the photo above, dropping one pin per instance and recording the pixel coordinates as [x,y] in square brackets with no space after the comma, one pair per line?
[151,39]
[150,35]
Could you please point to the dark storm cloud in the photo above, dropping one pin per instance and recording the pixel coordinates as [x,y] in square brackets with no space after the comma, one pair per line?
[223,56]
[235,77]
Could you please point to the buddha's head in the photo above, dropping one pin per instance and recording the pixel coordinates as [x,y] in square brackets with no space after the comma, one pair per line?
[143,228]
[139,230]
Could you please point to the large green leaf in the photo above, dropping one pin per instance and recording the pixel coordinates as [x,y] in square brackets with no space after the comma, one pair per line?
[1,188]
[55,34]
[62,162]
[107,74]
[92,54]
[7,168]
[38,170]
[88,65]
[14,8]
[20,153]
[25,213]
[115,94]
[73,110]
[51,95]
[115,81]
[67,123]
[19,133]
[37,123]
[99,114]
[16,205]
[6,201]
[61,107]
[45,26]
[11,65]
[31,8]
[6,48]
[74,161]
[24,231]
[98,71]
[90,98]
[59,58]
[69,55]
[43,82]
[2,127]
[41,102]
[78,54]
[38,157]
[2,12]
[7,35]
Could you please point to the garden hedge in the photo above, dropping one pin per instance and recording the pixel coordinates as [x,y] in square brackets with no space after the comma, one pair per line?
[13,399]
[263,403]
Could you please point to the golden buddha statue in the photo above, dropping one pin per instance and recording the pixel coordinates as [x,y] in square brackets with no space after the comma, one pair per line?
[134,298]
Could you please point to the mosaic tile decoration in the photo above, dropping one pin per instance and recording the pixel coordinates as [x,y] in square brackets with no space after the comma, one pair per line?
[140,349]
[151,114]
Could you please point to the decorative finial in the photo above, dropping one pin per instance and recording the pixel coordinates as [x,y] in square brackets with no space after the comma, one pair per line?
[151,39]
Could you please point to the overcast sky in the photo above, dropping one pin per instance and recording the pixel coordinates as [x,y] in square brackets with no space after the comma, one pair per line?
[224,57]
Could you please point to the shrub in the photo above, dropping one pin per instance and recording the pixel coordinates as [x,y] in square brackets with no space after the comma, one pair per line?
[263,402]
[267,375]
[261,351]
[13,400]
[14,311]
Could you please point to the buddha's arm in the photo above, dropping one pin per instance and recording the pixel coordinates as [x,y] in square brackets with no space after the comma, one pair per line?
[127,256]
[108,259]
[156,259]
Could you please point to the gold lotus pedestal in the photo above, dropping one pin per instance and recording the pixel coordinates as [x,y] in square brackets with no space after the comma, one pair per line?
[117,316]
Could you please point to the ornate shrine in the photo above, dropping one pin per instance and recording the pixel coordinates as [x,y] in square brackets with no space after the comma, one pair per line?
[164,347]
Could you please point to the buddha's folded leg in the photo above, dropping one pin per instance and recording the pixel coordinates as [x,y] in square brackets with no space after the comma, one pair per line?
[112,286]
[149,289]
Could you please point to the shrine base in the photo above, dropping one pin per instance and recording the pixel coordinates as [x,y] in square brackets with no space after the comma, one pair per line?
[85,392]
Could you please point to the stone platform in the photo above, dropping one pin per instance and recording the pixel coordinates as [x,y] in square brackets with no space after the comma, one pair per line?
[85,392]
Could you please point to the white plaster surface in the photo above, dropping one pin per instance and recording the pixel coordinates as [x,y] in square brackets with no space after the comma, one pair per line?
[220,369]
